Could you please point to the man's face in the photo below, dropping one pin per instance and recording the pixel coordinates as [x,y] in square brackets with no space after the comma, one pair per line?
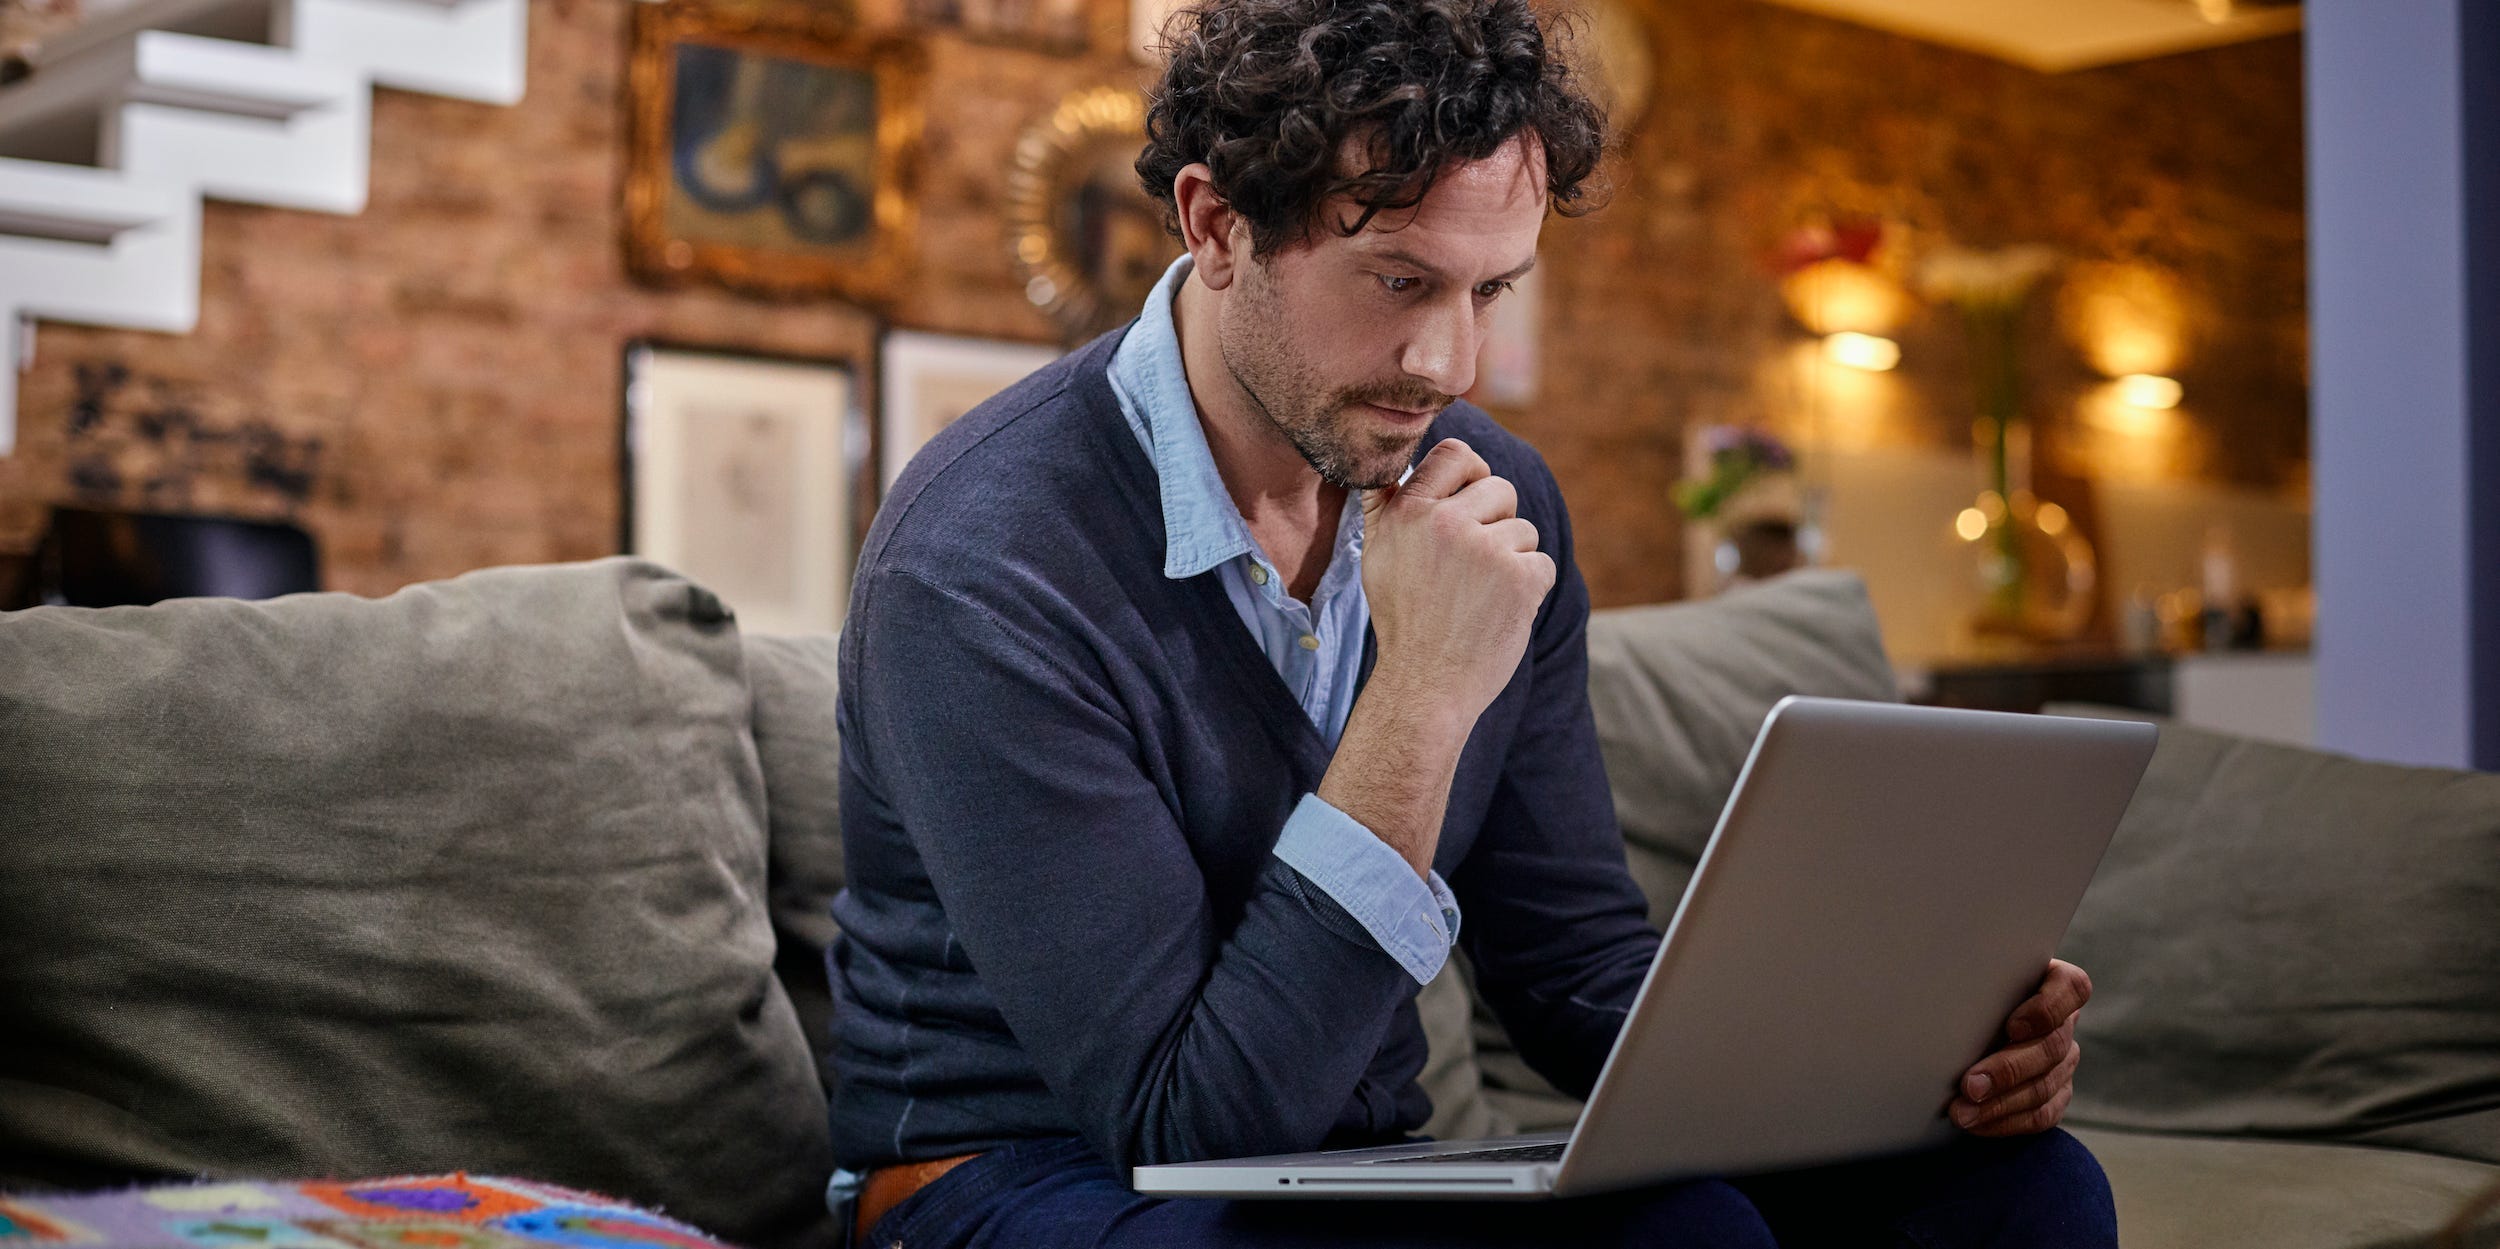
[1351,345]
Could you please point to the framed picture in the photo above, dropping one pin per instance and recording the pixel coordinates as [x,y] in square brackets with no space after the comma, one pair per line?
[773,150]
[741,471]
[1048,25]
[925,381]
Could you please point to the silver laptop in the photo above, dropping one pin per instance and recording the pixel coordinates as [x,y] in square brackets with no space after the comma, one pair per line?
[1885,885]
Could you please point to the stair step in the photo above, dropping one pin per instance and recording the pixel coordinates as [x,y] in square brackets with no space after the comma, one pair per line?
[223,76]
[95,247]
[463,49]
[238,121]
[73,204]
[59,114]
[246,21]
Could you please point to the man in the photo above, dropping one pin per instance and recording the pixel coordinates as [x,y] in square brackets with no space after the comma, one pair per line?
[1181,741]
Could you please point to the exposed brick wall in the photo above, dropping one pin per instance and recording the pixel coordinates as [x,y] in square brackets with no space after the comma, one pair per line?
[1661,311]
[433,386]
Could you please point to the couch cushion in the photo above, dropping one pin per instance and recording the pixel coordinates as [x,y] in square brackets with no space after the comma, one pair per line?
[2292,942]
[2194,1192]
[793,683]
[1680,690]
[467,878]
[1452,1076]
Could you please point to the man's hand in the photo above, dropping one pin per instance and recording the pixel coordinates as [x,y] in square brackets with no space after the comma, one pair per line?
[2025,1086]
[1454,578]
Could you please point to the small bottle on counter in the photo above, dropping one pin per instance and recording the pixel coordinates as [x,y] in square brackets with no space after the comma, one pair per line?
[2139,623]
[2221,568]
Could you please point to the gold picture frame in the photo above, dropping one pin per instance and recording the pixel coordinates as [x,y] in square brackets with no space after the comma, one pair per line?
[753,131]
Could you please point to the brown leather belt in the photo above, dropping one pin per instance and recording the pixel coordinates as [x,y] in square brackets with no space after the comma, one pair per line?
[889,1187]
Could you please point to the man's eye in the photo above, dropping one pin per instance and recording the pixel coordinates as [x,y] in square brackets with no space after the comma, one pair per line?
[1398,285]
[1491,290]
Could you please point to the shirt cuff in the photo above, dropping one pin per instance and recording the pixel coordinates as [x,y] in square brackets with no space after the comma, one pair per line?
[1413,919]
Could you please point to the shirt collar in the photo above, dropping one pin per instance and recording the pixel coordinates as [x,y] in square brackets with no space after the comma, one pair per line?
[1201,525]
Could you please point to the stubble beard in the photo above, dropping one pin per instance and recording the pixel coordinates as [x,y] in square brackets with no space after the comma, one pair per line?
[1319,421]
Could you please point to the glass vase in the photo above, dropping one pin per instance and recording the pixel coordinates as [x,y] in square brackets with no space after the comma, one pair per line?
[2035,573]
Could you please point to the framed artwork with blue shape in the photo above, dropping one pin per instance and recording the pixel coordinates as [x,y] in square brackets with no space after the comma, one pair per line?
[774,150]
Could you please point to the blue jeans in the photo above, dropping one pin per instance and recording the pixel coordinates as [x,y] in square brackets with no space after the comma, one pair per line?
[2036,1192]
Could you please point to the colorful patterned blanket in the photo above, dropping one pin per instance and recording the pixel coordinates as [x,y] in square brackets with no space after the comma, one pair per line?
[432,1212]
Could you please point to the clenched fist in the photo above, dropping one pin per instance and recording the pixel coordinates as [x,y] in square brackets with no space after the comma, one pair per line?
[1454,578]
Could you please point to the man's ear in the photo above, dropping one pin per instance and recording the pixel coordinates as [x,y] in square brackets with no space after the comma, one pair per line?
[1218,241]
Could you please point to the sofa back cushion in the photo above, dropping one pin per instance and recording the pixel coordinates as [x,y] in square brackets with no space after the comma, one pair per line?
[2292,942]
[467,878]
[795,739]
[1680,690]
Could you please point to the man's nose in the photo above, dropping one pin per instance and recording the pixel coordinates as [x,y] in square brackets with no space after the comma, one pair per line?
[1442,349]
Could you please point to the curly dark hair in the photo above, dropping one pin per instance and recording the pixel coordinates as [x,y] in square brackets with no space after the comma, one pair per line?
[1266,93]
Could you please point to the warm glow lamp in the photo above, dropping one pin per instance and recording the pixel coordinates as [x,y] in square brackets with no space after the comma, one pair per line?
[2148,390]
[1862,351]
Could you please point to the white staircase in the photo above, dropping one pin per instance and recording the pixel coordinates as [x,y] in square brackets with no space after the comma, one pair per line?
[130,119]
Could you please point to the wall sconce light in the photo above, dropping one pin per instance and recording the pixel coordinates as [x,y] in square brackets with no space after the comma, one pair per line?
[1861,351]
[2149,390]
[2127,317]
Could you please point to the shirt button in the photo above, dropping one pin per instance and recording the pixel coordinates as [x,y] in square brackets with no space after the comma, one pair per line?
[1258,574]
[1309,643]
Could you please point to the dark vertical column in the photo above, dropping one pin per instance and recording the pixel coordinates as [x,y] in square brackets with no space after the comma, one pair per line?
[2479,87]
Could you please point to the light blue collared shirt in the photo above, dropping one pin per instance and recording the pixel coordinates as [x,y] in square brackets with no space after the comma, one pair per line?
[1317,647]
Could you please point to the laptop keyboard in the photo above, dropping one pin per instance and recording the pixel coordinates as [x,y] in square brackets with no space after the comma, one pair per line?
[1550,1152]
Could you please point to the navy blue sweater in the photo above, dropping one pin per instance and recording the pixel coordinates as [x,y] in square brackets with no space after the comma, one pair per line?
[1062,776]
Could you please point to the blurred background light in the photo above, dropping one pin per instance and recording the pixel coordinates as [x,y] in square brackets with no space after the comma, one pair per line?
[1862,351]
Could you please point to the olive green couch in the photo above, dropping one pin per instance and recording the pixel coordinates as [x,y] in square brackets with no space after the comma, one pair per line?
[527,872]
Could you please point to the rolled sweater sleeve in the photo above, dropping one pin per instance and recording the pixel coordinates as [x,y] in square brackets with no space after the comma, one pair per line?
[1414,918]
[1065,875]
